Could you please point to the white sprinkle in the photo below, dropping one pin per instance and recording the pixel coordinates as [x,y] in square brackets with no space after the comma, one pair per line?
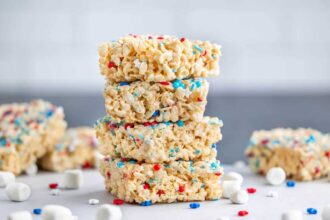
[32,170]
[73,179]
[239,197]
[272,194]
[326,212]
[18,192]
[56,212]
[22,215]
[233,176]
[6,178]
[108,212]
[93,201]
[276,176]
[55,192]
[292,215]
[229,187]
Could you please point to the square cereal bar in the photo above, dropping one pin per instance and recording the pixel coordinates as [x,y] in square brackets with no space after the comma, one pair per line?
[139,102]
[301,152]
[160,142]
[27,132]
[157,58]
[150,183]
[76,149]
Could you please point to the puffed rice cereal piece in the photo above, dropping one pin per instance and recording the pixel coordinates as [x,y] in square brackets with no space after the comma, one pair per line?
[150,183]
[157,58]
[160,142]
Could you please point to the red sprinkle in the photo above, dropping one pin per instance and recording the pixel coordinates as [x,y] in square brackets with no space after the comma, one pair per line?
[157,167]
[146,186]
[199,99]
[251,190]
[327,154]
[118,201]
[160,38]
[112,65]
[204,53]
[182,188]
[108,174]
[264,142]
[53,186]
[182,39]
[160,192]
[149,37]
[146,124]
[164,83]
[128,125]
[243,213]
[217,173]
[317,170]
[87,165]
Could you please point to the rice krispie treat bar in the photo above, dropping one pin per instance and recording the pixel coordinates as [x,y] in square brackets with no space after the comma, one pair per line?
[165,101]
[160,142]
[27,132]
[157,58]
[301,152]
[76,149]
[150,183]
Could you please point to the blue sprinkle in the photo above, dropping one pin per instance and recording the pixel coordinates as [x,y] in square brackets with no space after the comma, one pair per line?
[177,149]
[178,84]
[156,113]
[120,164]
[197,152]
[147,203]
[132,161]
[214,146]
[167,123]
[198,84]
[311,139]
[37,211]
[290,184]
[213,166]
[198,48]
[123,83]
[17,121]
[194,205]
[311,211]
[3,141]
[49,113]
[180,123]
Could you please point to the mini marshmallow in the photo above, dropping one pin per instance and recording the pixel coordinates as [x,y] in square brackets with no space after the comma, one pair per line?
[326,212]
[108,212]
[229,187]
[239,197]
[272,194]
[18,192]
[276,176]
[292,215]
[56,212]
[93,201]
[73,179]
[233,176]
[22,215]
[6,178]
[32,170]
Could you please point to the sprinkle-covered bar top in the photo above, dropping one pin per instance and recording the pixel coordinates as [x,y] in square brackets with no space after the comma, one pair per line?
[160,142]
[76,149]
[27,132]
[150,183]
[302,153]
[157,59]
[163,101]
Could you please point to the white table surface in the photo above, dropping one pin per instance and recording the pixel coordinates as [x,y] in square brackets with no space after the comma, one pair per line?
[310,194]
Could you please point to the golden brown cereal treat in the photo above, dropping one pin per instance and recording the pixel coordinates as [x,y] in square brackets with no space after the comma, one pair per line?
[301,152]
[27,132]
[76,149]
[150,183]
[160,142]
[165,101]
[157,58]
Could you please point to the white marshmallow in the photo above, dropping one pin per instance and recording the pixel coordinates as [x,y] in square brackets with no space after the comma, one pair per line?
[32,170]
[6,178]
[56,212]
[272,194]
[276,176]
[326,212]
[22,215]
[229,187]
[73,179]
[233,176]
[239,197]
[292,215]
[18,192]
[93,201]
[108,212]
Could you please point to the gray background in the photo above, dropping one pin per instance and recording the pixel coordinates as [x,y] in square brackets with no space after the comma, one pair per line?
[275,69]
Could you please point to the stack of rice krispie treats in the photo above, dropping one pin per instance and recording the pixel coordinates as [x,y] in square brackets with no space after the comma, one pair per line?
[158,146]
